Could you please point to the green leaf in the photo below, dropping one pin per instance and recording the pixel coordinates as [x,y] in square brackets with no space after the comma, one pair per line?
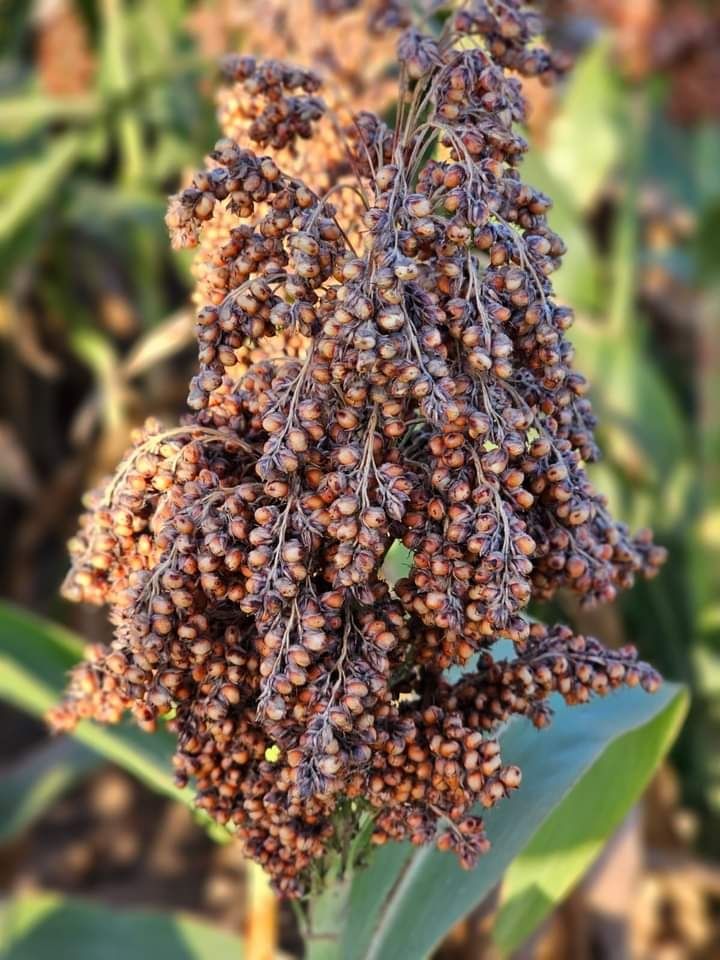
[578,280]
[47,926]
[37,184]
[35,656]
[572,837]
[397,562]
[642,428]
[37,653]
[22,113]
[706,149]
[584,142]
[624,244]
[33,784]
[116,74]
[386,918]
[115,211]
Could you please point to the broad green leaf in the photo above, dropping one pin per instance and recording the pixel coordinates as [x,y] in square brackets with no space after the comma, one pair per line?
[104,214]
[621,318]
[642,428]
[33,784]
[38,652]
[15,26]
[707,249]
[157,29]
[584,141]
[578,280]
[638,402]
[46,926]
[35,656]
[705,548]
[38,183]
[397,562]
[24,112]
[173,152]
[572,837]
[389,912]
[668,159]
[684,159]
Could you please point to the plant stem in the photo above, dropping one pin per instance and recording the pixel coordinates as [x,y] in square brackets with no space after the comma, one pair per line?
[327,916]
[261,941]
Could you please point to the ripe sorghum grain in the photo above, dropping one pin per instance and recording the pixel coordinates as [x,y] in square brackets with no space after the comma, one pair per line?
[424,393]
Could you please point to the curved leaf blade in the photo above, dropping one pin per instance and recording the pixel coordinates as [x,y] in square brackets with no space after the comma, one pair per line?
[573,836]
[38,925]
[38,184]
[32,785]
[25,112]
[584,143]
[386,918]
[35,656]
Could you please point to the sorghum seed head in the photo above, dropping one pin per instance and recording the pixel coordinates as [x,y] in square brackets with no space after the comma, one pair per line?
[390,369]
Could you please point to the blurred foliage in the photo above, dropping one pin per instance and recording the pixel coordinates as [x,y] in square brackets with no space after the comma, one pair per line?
[637,202]
[103,106]
[35,925]
[36,782]
[91,141]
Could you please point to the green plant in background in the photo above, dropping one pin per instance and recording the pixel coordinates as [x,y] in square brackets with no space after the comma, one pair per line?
[657,404]
[651,471]
[85,173]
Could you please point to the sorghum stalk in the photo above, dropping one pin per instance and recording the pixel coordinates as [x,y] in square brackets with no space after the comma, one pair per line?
[327,913]
[262,921]
[383,364]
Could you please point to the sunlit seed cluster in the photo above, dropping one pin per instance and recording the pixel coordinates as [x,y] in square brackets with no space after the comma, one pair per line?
[421,390]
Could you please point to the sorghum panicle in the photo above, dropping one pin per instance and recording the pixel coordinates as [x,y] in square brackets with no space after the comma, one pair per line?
[395,370]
